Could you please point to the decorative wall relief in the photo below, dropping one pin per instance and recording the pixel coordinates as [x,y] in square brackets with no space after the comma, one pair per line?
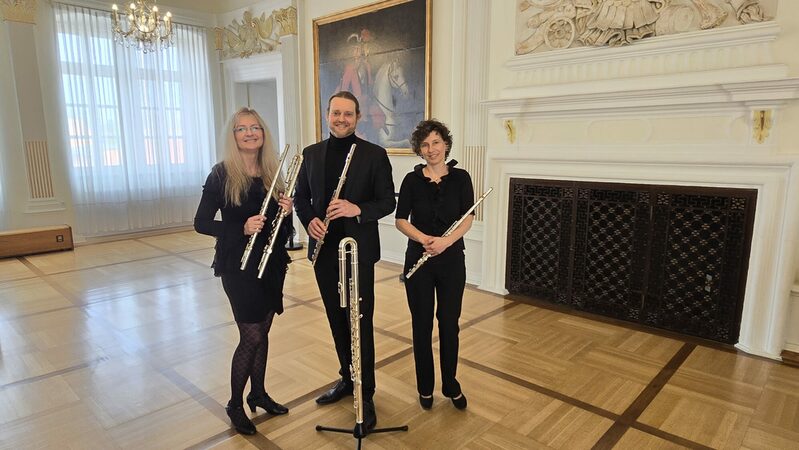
[23,11]
[253,35]
[544,25]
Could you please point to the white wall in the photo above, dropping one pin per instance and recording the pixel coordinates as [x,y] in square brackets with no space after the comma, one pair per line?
[28,108]
[788,136]
[10,128]
[262,97]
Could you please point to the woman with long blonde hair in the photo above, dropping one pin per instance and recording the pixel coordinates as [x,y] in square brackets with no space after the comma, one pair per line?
[237,187]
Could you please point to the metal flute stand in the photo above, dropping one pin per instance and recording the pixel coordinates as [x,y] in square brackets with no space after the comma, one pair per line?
[359,431]
[290,244]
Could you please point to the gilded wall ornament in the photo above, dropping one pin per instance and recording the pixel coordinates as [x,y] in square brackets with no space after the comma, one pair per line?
[556,24]
[761,125]
[254,35]
[18,10]
[510,130]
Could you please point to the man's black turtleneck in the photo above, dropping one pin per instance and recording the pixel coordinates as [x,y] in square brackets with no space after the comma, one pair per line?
[337,149]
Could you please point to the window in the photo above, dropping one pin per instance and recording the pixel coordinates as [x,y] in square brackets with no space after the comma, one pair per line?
[140,126]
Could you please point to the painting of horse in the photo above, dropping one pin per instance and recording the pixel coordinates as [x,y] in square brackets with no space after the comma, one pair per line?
[380,53]
[389,84]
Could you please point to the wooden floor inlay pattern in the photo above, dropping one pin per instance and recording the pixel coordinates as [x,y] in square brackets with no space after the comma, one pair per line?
[127,345]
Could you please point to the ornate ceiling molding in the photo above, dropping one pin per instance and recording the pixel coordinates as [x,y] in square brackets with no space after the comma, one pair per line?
[18,10]
[252,35]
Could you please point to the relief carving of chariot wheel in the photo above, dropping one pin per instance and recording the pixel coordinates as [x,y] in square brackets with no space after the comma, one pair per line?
[560,33]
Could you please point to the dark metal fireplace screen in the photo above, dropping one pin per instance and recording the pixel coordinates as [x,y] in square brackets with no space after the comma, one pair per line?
[672,257]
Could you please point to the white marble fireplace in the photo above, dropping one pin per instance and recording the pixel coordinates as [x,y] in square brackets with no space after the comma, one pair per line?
[696,125]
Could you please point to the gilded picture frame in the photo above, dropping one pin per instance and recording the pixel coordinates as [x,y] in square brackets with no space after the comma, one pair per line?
[381,53]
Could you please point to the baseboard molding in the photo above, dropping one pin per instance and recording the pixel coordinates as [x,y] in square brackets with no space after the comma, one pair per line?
[82,240]
[790,358]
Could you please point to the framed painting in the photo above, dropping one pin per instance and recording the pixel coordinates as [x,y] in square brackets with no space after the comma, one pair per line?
[381,53]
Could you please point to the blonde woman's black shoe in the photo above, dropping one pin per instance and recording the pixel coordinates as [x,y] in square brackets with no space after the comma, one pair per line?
[266,403]
[239,419]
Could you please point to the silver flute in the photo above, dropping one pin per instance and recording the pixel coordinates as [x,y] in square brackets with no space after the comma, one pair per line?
[246,256]
[291,181]
[348,290]
[449,231]
[336,194]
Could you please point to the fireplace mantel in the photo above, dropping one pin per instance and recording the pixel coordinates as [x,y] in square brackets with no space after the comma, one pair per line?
[677,94]
[646,109]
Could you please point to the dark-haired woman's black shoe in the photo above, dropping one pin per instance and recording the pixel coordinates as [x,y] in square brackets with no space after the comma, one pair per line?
[266,402]
[239,419]
[459,401]
[426,402]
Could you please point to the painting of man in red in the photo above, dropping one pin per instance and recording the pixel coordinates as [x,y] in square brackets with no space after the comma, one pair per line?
[357,78]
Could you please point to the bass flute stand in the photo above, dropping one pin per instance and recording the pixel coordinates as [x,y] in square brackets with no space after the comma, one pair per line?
[359,431]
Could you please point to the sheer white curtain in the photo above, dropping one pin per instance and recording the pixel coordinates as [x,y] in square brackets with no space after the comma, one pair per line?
[3,178]
[6,105]
[140,126]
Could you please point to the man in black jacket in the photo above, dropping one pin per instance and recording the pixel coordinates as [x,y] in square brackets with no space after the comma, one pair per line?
[367,195]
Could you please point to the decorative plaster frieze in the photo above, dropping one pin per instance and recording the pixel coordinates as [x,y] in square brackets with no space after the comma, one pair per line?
[725,49]
[725,38]
[550,25]
[18,10]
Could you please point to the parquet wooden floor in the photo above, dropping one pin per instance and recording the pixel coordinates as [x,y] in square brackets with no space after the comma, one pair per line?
[127,344]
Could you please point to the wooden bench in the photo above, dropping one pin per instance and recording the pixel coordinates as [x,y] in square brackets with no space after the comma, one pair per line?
[35,240]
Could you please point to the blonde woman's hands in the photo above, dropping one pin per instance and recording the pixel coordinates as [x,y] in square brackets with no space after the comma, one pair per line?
[254,225]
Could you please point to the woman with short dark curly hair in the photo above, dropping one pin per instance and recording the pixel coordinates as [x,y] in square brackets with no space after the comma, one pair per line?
[431,199]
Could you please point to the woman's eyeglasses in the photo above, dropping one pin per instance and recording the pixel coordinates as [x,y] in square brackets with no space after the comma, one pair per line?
[253,129]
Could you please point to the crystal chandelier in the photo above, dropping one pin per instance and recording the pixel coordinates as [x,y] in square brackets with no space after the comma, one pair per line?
[142,26]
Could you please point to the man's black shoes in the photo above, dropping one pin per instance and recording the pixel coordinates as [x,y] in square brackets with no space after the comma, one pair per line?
[369,415]
[340,390]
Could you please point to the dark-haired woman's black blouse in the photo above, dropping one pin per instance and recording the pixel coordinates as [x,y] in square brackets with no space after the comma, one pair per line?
[434,207]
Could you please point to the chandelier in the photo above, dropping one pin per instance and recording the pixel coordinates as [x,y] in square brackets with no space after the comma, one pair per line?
[141,26]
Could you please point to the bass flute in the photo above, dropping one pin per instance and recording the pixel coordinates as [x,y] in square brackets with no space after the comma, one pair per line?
[291,181]
[336,194]
[449,231]
[348,289]
[349,293]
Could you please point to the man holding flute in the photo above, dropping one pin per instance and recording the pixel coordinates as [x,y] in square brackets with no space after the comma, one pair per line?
[366,196]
